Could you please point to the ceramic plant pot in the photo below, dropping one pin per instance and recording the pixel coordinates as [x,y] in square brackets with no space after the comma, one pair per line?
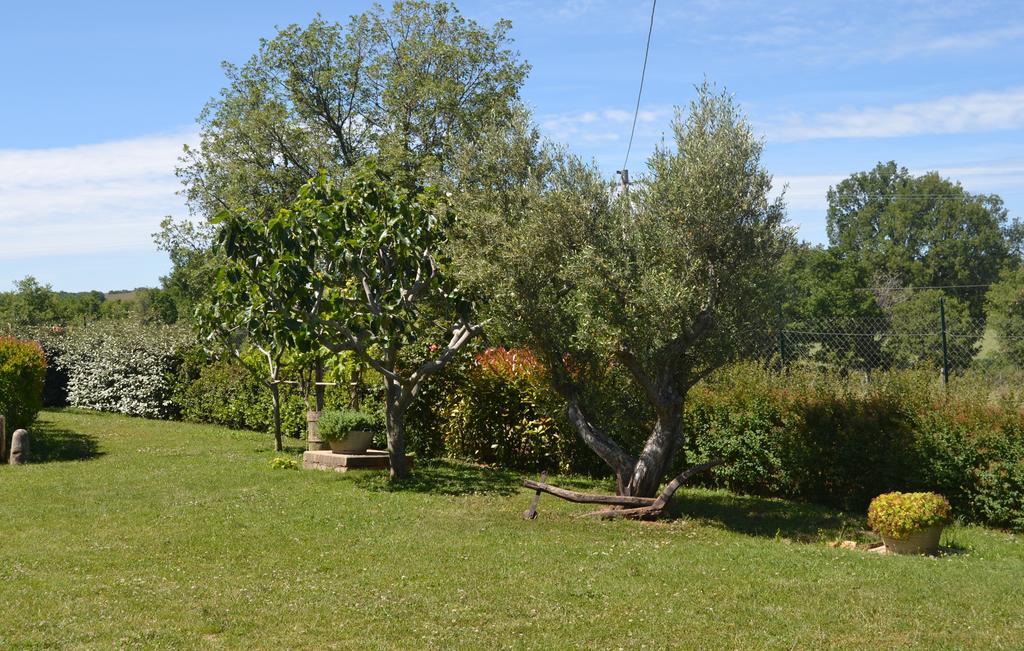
[355,442]
[923,541]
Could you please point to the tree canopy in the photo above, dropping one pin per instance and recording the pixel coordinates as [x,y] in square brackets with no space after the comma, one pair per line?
[407,86]
[923,231]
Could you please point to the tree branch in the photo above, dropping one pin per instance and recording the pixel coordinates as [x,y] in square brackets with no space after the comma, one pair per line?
[588,498]
[654,394]
[460,338]
[655,510]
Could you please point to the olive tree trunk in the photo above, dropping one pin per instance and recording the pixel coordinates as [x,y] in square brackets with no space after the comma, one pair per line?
[639,476]
[656,457]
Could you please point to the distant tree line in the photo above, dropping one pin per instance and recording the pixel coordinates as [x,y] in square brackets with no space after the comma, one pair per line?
[32,303]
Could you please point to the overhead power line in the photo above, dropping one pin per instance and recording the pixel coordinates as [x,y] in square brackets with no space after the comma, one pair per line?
[915,288]
[624,172]
[965,195]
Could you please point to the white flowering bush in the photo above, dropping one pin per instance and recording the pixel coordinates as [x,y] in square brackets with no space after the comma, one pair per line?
[123,367]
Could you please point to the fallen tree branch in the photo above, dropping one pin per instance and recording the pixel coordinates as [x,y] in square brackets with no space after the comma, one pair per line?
[682,478]
[642,512]
[589,498]
[658,506]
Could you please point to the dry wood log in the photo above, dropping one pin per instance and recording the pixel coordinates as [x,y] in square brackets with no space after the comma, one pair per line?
[682,478]
[531,512]
[643,507]
[589,498]
[659,504]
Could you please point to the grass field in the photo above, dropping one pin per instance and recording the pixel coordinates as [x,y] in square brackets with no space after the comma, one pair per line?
[135,533]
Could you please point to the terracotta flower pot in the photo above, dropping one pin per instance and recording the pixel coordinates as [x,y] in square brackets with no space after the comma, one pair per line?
[355,442]
[923,541]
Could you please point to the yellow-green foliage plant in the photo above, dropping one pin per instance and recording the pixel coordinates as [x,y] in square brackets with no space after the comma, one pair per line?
[899,515]
[22,372]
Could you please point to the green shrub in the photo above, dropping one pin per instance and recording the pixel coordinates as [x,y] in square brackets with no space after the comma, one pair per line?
[803,435]
[51,340]
[22,373]
[898,515]
[498,409]
[997,497]
[225,393]
[335,424]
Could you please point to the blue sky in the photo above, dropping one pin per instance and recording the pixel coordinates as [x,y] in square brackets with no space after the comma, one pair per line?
[97,99]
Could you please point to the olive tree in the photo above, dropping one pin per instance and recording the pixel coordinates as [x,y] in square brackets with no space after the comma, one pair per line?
[664,280]
[357,264]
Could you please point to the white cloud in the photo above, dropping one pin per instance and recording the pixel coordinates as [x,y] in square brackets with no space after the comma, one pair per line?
[573,9]
[606,125]
[807,192]
[988,111]
[976,40]
[89,198]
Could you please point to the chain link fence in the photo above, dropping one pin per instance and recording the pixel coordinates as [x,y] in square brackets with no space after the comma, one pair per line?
[866,344]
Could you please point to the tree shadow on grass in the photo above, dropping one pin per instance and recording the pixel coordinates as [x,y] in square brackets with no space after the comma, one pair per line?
[50,443]
[767,517]
[445,477]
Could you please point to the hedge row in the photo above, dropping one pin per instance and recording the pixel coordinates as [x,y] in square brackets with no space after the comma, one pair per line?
[223,392]
[840,442]
[497,409]
[161,372]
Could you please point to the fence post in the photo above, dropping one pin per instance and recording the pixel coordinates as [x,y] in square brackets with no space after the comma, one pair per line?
[945,351]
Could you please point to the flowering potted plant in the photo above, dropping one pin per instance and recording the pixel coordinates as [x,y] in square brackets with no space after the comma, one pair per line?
[348,431]
[909,523]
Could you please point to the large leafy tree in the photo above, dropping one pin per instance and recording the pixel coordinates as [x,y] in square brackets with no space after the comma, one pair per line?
[920,230]
[666,281]
[407,86]
[355,264]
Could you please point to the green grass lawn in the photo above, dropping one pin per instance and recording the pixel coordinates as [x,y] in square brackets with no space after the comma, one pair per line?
[135,533]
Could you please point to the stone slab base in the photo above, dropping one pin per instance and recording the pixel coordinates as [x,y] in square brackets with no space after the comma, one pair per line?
[327,460]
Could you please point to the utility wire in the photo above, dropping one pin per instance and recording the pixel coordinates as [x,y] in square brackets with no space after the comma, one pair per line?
[965,195]
[643,73]
[915,288]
